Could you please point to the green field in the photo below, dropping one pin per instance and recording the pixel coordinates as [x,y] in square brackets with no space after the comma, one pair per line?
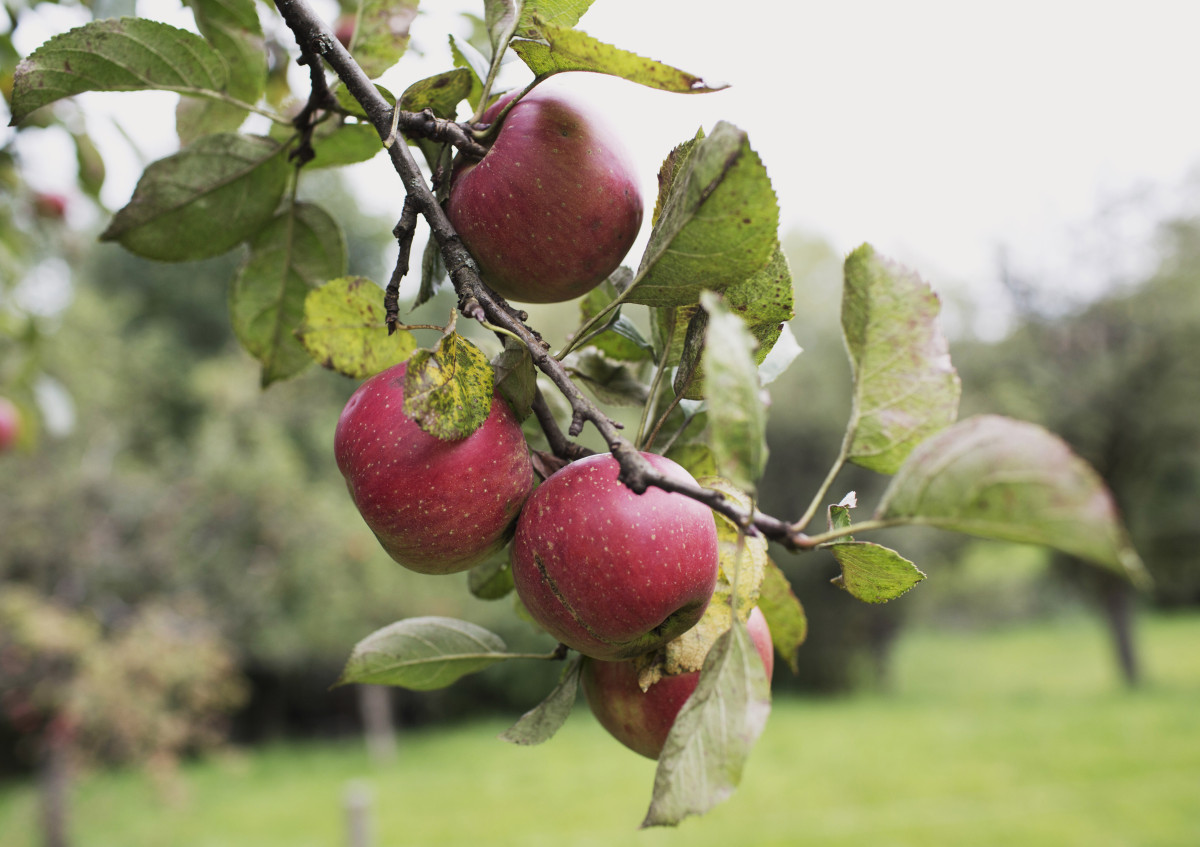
[1013,737]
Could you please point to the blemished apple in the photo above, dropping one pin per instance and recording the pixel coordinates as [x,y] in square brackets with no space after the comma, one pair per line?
[10,423]
[611,573]
[641,719]
[553,207]
[436,506]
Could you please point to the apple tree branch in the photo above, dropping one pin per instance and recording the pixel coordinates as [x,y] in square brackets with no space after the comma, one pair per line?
[480,303]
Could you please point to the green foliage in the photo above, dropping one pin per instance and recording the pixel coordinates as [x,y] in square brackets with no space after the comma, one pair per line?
[541,722]
[718,226]
[234,30]
[998,478]
[560,49]
[117,54]
[289,257]
[873,573]
[159,684]
[711,739]
[738,423]
[905,388]
[448,390]
[345,315]
[381,33]
[204,200]
[423,653]
[784,614]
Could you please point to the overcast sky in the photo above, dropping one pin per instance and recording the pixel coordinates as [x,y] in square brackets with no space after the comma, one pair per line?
[938,131]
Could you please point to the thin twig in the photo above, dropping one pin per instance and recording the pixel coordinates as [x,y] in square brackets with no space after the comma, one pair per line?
[405,228]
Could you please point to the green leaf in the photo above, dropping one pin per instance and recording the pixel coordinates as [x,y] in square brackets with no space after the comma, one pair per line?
[501,18]
[433,273]
[839,516]
[612,382]
[696,459]
[737,425]
[491,580]
[91,165]
[344,329]
[785,616]
[618,337]
[516,377]
[233,28]
[741,558]
[196,118]
[872,573]
[670,170]
[423,654]
[381,34]
[995,477]
[117,54]
[905,388]
[448,390]
[539,724]
[467,57]
[297,251]
[564,49]
[559,13]
[203,200]
[718,225]
[352,107]
[689,376]
[345,144]
[707,748]
[440,93]
[764,302]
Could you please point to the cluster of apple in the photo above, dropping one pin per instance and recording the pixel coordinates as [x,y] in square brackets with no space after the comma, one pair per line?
[548,214]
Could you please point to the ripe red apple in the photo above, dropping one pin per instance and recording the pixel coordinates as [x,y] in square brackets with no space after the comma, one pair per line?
[553,207]
[343,29]
[436,506]
[608,572]
[10,423]
[641,719]
[50,206]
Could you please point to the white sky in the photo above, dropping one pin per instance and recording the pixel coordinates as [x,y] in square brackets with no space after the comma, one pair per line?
[935,130]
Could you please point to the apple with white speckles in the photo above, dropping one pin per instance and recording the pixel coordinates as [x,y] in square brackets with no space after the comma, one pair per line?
[553,207]
[641,719]
[608,572]
[436,506]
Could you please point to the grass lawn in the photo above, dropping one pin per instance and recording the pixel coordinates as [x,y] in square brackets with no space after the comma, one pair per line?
[1013,737]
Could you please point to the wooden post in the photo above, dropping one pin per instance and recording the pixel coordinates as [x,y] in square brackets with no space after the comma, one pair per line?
[357,803]
[375,709]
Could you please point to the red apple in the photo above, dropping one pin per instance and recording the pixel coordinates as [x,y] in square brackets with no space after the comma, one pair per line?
[10,423]
[436,506]
[553,207]
[343,29]
[641,719]
[611,573]
[50,206]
